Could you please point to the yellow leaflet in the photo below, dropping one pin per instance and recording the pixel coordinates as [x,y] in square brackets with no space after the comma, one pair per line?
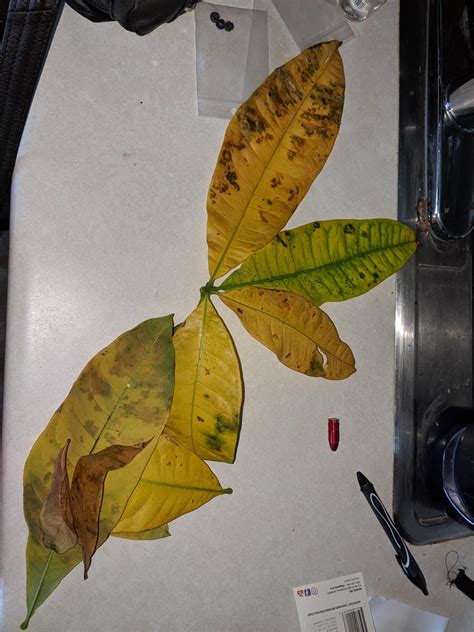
[274,147]
[302,336]
[207,404]
[151,534]
[122,396]
[174,482]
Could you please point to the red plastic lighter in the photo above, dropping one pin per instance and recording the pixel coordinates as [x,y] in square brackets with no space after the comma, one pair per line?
[333,433]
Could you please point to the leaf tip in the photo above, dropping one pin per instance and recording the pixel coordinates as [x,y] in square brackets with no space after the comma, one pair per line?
[24,625]
[143,444]
[228,490]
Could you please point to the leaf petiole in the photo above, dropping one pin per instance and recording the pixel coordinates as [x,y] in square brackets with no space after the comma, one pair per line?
[208,289]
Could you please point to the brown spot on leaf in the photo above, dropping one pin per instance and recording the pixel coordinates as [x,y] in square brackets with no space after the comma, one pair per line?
[231,177]
[97,384]
[297,141]
[308,128]
[91,427]
[224,426]
[323,132]
[213,442]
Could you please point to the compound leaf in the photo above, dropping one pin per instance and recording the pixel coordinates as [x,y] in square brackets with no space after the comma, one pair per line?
[274,147]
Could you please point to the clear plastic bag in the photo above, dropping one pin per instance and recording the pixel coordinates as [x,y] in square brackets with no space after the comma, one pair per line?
[313,21]
[229,64]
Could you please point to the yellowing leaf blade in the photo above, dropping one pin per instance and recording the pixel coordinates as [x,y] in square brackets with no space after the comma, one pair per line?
[150,534]
[301,335]
[123,395]
[206,412]
[274,147]
[175,482]
[329,260]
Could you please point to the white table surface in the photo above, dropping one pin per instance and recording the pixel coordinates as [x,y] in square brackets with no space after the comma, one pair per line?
[108,229]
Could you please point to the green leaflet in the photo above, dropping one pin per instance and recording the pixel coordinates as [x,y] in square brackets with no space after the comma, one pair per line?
[123,395]
[328,261]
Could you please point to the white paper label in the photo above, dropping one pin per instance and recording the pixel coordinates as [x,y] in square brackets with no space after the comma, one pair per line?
[336,605]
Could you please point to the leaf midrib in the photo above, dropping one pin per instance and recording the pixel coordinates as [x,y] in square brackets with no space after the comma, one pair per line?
[198,364]
[32,607]
[332,264]
[128,385]
[328,61]
[188,488]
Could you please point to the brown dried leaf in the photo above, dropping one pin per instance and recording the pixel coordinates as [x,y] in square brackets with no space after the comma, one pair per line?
[56,518]
[87,490]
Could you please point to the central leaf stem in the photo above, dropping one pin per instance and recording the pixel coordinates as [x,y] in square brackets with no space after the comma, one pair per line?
[208,289]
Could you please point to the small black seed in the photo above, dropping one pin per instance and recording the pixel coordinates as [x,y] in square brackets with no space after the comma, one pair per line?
[229,26]
[214,17]
[220,24]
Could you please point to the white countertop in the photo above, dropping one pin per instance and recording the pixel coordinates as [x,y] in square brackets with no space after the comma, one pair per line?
[108,229]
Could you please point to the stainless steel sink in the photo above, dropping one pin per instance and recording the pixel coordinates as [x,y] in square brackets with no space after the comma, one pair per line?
[434,317]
